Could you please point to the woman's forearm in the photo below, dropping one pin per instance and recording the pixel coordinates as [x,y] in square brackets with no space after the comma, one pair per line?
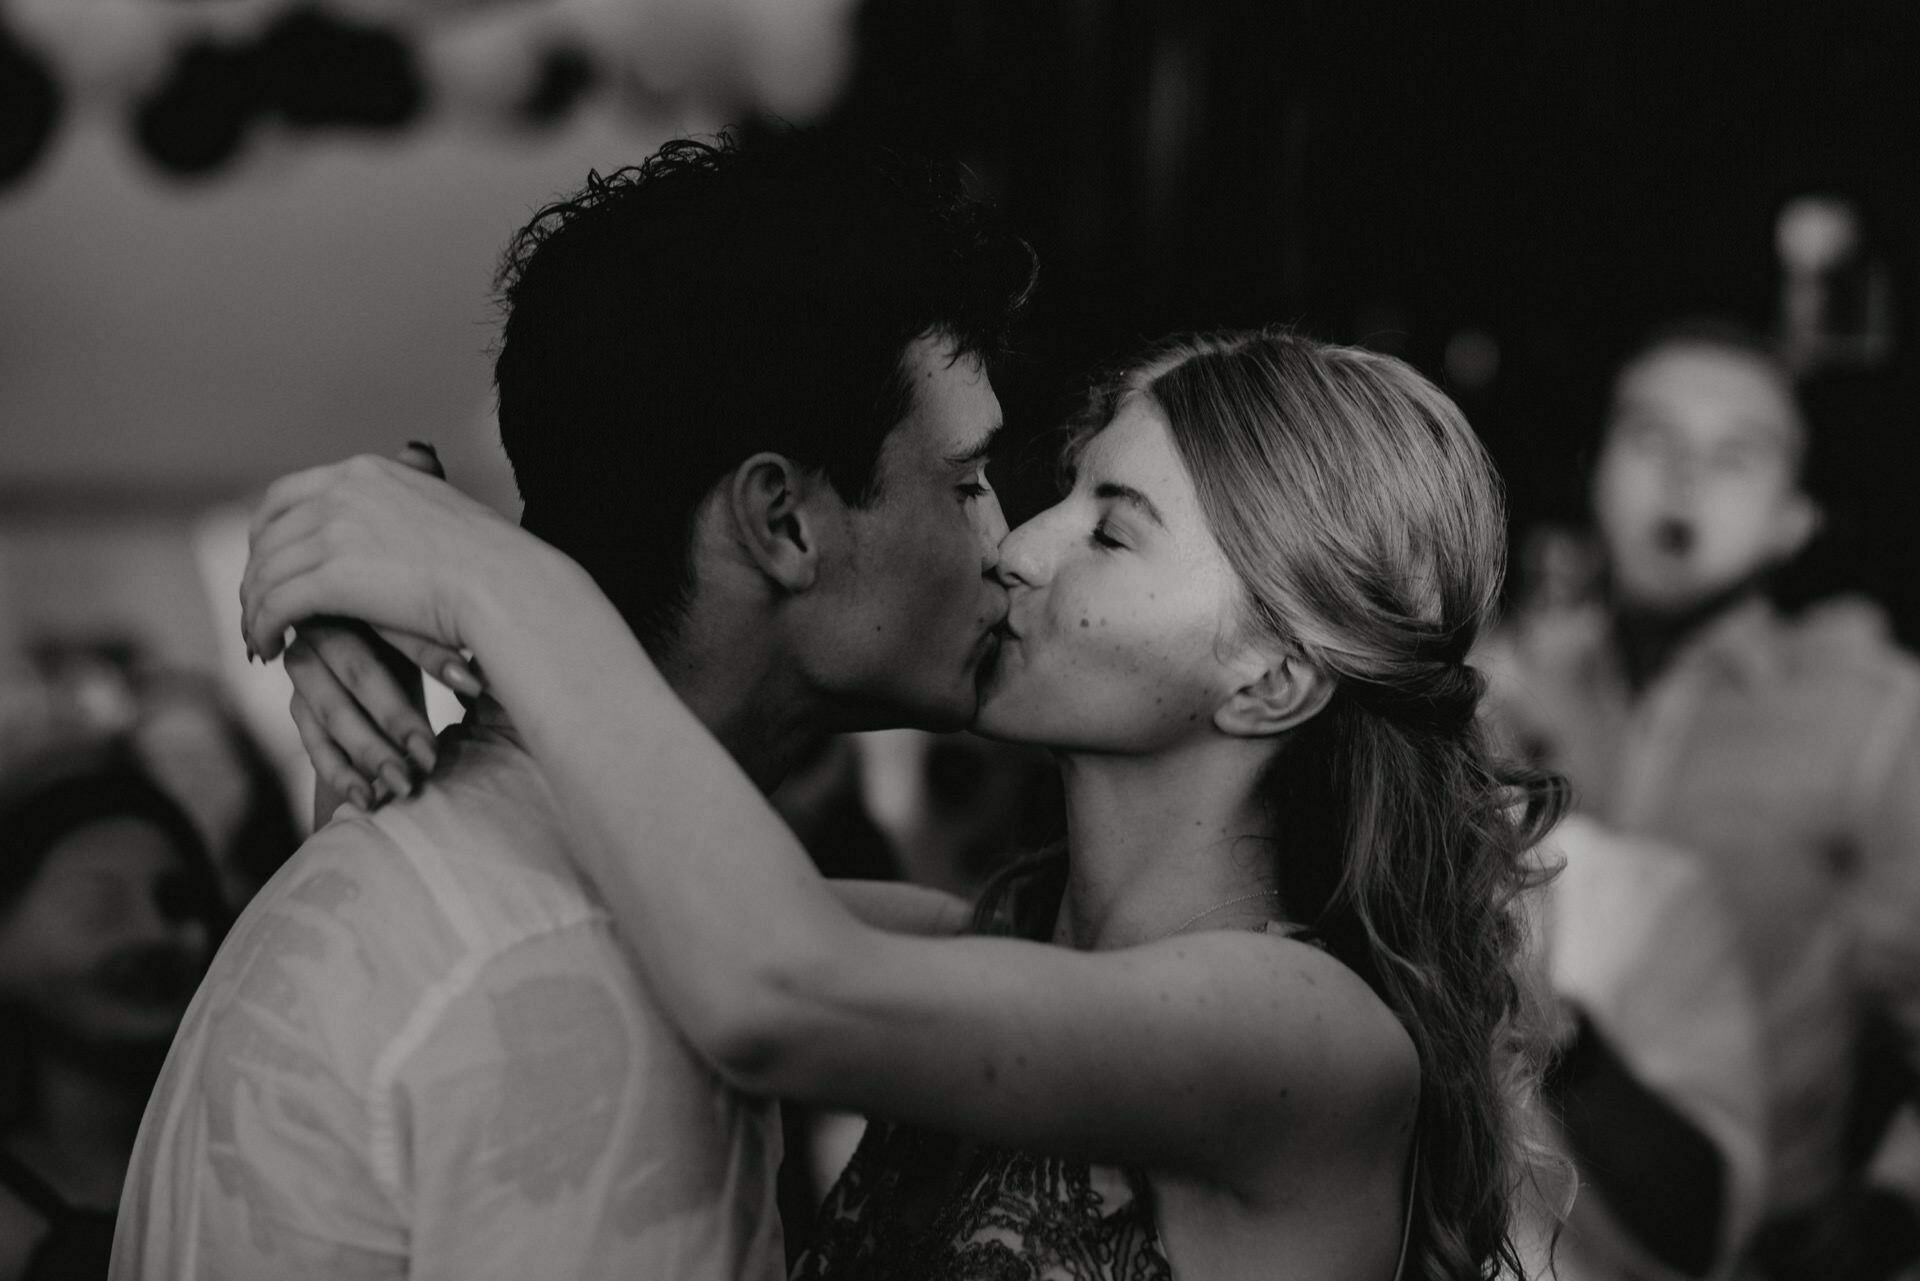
[726,912]
[901,907]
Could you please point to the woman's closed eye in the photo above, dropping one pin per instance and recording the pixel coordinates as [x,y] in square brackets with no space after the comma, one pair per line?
[1102,537]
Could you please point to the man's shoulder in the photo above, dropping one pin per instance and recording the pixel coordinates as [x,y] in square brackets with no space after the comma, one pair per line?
[1840,658]
[485,839]
[379,913]
[1543,643]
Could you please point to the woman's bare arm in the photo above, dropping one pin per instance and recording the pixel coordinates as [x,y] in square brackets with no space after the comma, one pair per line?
[901,907]
[1201,1053]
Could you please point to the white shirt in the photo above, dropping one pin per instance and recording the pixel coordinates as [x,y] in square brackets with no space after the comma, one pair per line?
[1637,934]
[423,1053]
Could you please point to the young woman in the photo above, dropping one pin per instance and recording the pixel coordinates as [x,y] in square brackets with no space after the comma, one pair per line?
[109,912]
[1260,1018]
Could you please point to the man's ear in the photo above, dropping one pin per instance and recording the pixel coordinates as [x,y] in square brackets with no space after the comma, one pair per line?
[1799,521]
[766,498]
[1283,695]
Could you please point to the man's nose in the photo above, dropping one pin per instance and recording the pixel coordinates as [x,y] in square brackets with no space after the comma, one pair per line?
[993,532]
[1683,471]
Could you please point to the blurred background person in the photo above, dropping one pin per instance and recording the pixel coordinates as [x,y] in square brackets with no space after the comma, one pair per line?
[109,912]
[1656,1087]
[193,742]
[186,734]
[1782,751]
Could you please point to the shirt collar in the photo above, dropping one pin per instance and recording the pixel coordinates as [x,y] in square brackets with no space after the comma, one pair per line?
[1742,643]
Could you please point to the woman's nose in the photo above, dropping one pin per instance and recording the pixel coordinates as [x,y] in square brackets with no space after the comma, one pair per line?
[1021,563]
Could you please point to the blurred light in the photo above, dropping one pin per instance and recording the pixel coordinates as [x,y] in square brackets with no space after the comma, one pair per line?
[1815,233]
[1472,359]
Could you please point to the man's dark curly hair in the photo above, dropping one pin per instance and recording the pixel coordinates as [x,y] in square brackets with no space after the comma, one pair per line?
[722,298]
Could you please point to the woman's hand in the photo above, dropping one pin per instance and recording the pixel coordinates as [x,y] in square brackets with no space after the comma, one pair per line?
[361,711]
[358,701]
[378,541]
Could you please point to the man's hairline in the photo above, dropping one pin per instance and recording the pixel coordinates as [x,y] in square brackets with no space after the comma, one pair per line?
[1798,445]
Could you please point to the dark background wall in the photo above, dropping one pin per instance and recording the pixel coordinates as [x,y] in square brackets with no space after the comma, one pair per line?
[1558,178]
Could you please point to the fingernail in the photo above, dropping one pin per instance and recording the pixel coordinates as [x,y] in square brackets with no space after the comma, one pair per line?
[425,458]
[345,809]
[461,680]
[361,796]
[382,793]
[396,778]
[420,748]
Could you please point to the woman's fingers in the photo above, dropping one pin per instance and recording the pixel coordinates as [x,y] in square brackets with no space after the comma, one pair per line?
[448,666]
[330,764]
[370,755]
[382,680]
[291,491]
[422,457]
[276,590]
[380,541]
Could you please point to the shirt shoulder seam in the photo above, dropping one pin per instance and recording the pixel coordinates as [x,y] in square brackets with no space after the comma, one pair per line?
[439,997]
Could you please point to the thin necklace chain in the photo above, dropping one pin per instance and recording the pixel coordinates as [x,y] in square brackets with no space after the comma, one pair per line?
[1219,907]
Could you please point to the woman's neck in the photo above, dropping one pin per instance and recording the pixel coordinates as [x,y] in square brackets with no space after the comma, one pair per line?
[1155,842]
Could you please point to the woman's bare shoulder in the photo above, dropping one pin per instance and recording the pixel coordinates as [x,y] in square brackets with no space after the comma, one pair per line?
[1370,1068]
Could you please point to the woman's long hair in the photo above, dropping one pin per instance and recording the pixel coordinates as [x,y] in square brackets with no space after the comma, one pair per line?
[1367,526]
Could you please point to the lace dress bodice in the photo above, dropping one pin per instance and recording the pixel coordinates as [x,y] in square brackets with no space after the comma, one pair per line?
[925,1206]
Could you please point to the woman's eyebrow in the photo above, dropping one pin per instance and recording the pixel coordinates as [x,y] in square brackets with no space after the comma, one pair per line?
[1130,496]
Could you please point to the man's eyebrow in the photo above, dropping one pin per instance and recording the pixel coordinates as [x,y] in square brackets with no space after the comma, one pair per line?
[1130,496]
[980,449]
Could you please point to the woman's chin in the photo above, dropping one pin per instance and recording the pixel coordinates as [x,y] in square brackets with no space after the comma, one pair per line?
[1000,715]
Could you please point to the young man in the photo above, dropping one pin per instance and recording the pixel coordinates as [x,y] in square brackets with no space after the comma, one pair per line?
[744,386]
[1783,752]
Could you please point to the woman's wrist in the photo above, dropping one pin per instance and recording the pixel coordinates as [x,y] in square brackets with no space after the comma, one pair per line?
[537,584]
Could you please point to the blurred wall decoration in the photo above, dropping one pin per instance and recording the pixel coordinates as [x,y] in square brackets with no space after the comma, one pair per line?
[239,239]
[196,82]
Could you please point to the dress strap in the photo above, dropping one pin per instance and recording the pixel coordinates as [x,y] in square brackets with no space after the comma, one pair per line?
[1298,933]
[30,1187]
